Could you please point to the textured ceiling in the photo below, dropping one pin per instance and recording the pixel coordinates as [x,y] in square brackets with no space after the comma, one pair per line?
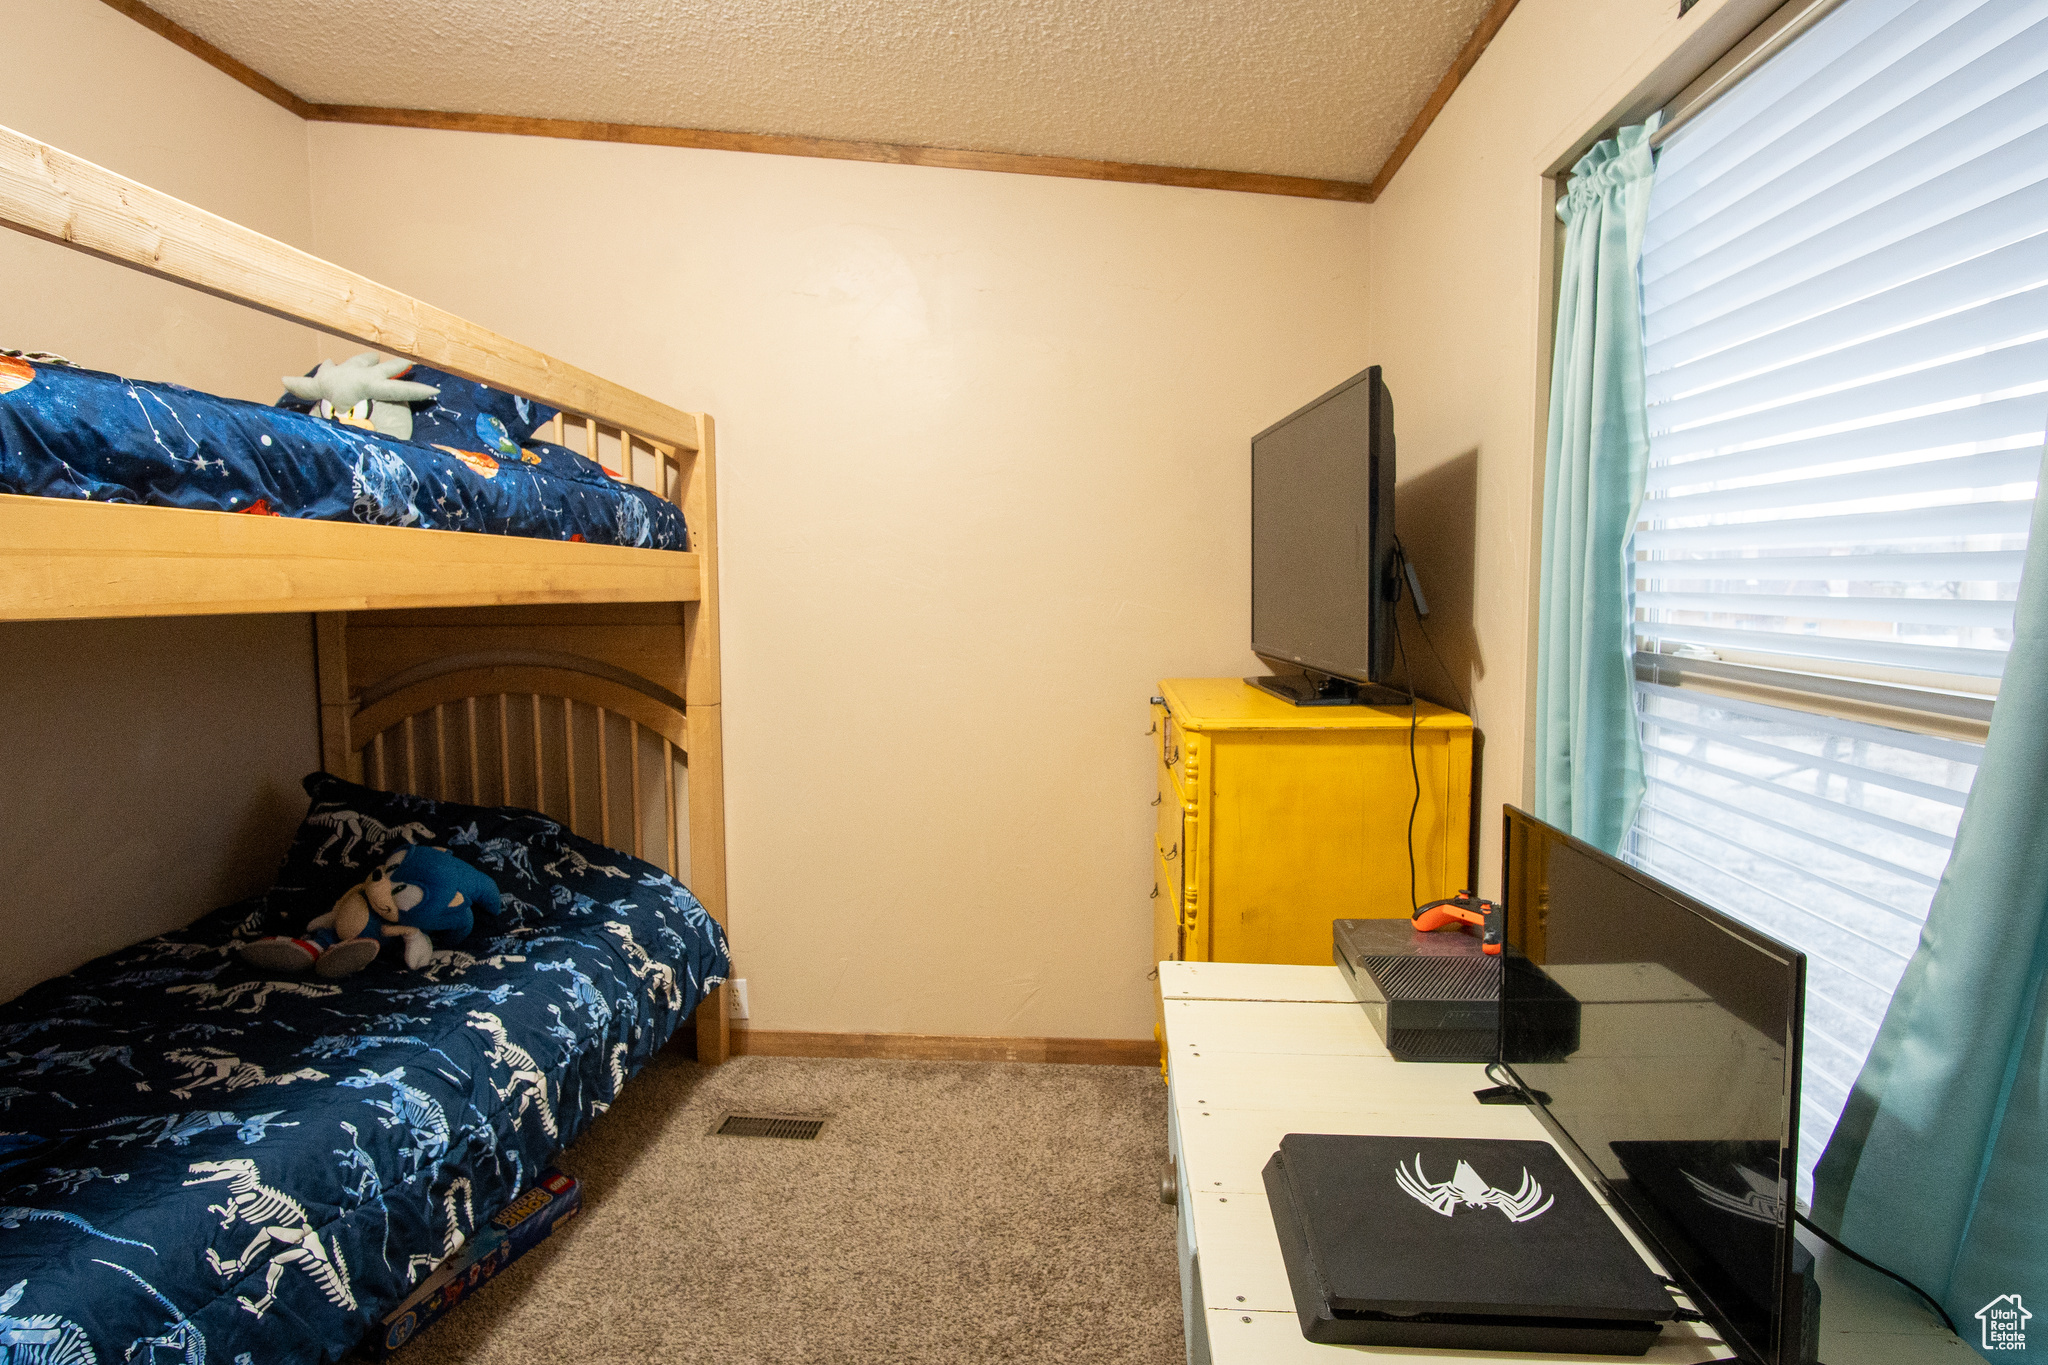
[1320,88]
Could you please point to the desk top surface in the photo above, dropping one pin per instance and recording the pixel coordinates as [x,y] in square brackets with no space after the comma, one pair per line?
[1256,1051]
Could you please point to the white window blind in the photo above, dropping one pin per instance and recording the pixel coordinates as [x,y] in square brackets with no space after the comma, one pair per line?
[1845,286]
[1845,281]
[1827,834]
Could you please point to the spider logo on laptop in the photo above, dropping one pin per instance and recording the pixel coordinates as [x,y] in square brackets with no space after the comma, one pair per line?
[1468,1188]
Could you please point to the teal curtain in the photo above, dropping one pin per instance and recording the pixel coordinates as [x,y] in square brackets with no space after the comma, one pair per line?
[1589,756]
[1938,1169]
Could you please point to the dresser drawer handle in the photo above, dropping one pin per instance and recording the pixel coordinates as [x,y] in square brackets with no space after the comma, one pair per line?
[1173,853]
[1155,891]
[1157,799]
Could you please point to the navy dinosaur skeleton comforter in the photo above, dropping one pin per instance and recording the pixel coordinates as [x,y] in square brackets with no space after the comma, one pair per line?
[201,1163]
[67,432]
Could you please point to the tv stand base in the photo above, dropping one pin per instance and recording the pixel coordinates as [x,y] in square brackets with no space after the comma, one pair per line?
[1308,689]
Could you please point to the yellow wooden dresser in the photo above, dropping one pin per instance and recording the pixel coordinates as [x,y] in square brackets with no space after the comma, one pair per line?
[1276,819]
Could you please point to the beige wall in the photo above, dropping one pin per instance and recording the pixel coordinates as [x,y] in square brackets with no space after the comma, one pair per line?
[86,79]
[148,770]
[983,464]
[1460,310]
[151,773]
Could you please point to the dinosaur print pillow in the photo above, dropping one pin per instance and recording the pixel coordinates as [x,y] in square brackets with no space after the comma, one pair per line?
[536,862]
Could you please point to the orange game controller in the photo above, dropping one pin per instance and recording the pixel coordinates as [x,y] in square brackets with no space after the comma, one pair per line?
[1463,908]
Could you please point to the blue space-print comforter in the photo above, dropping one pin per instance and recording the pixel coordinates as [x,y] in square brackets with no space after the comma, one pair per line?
[198,1162]
[73,433]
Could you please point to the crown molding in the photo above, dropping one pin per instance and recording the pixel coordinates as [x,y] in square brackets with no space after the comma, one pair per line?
[776,144]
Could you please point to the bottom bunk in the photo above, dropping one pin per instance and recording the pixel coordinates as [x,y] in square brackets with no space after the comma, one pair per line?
[203,1161]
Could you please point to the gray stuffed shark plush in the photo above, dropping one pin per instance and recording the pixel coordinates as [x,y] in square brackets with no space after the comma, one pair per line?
[363,391]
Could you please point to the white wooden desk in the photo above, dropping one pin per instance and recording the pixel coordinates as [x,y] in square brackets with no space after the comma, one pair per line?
[1255,1052]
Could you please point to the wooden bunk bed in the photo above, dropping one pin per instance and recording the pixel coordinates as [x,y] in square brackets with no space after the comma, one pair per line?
[580,680]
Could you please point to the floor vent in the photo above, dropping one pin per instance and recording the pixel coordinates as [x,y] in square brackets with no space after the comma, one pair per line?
[768,1126]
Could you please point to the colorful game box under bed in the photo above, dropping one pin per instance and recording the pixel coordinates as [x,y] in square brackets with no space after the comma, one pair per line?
[203,1162]
[67,432]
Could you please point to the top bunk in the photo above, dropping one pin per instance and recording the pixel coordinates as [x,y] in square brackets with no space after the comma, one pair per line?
[72,557]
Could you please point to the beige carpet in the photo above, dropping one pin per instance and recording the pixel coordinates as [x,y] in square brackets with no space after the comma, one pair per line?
[949,1212]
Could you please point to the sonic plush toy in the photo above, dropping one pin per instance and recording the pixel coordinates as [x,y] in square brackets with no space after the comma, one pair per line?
[419,895]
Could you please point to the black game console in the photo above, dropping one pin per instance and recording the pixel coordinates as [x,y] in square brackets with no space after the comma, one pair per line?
[1433,997]
[1467,1244]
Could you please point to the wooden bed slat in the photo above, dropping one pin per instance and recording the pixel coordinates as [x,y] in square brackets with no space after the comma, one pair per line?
[604,780]
[51,194]
[633,756]
[540,783]
[668,775]
[504,749]
[569,755]
[441,752]
[476,795]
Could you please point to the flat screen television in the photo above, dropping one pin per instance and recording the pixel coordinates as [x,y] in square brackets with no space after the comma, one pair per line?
[1671,1070]
[1325,577]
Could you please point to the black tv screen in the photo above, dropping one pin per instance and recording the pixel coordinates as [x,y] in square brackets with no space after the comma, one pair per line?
[1677,1081]
[1323,534]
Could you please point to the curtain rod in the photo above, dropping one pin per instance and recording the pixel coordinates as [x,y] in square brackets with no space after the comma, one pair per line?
[1791,21]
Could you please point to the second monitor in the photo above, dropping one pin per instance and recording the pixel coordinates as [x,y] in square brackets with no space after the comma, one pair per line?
[1325,572]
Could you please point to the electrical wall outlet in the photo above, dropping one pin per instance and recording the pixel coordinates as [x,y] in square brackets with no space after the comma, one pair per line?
[736,991]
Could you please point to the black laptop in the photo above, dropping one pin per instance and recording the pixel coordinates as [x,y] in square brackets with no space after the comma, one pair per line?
[1464,1243]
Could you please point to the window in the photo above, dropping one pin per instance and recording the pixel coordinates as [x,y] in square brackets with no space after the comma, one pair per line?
[1845,284]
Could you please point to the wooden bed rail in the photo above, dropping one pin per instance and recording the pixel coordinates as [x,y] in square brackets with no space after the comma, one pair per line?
[656,466]
[61,198]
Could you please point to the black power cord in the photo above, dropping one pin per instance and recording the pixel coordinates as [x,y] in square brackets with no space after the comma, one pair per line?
[1398,571]
[1414,767]
[1853,1255]
[1861,1259]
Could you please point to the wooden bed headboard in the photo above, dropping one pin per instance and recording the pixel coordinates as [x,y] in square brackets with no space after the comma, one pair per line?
[600,749]
[578,680]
